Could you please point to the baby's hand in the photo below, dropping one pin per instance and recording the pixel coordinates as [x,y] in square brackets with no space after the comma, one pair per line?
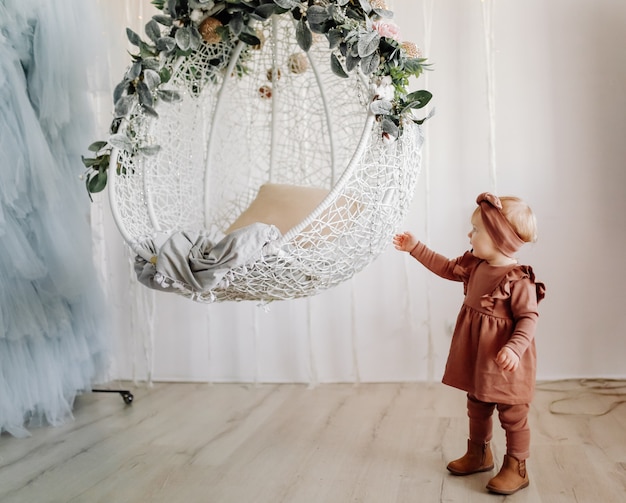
[404,242]
[507,359]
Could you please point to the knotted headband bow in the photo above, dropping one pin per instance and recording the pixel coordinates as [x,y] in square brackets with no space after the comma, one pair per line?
[498,227]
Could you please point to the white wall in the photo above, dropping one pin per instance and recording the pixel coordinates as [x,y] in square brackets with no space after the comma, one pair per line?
[560,75]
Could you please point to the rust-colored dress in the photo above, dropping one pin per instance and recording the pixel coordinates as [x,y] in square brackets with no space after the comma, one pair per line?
[500,309]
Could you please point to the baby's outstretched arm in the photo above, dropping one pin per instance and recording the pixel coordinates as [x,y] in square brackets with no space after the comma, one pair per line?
[405,241]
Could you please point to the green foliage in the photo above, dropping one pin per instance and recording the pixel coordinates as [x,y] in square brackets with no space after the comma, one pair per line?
[348,25]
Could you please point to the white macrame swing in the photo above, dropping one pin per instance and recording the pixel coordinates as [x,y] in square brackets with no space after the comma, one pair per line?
[285,142]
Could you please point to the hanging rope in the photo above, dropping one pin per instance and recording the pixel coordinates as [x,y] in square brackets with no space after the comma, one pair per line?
[428,8]
[355,354]
[428,14]
[313,380]
[142,323]
[488,28]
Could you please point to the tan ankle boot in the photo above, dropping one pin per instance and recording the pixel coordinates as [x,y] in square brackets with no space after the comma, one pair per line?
[511,478]
[478,458]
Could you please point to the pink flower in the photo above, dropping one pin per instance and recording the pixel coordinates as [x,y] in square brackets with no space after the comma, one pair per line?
[387,29]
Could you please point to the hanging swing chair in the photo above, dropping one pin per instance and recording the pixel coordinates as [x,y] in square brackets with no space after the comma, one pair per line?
[263,158]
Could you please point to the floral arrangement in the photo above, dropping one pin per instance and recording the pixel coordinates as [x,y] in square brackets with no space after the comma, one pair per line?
[359,32]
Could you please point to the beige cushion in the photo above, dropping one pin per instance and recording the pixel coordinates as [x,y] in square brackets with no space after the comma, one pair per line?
[284,206]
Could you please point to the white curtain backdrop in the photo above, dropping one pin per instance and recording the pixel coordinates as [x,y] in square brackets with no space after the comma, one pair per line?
[529,98]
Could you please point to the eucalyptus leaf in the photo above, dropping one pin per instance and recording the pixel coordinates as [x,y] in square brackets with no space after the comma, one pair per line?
[343,48]
[148,110]
[248,38]
[369,24]
[121,142]
[265,11]
[356,14]
[152,79]
[381,107]
[287,4]
[151,64]
[336,66]
[115,125]
[351,62]
[366,6]
[166,44]
[133,38]
[383,13]
[196,4]
[171,7]
[118,92]
[368,43]
[147,50]
[417,99]
[165,74]
[164,20]
[318,28]
[134,71]
[89,161]
[97,183]
[183,38]
[153,31]
[304,35]
[96,145]
[316,14]
[145,94]
[124,105]
[150,150]
[390,127]
[236,23]
[369,64]
[334,38]
[195,39]
[336,14]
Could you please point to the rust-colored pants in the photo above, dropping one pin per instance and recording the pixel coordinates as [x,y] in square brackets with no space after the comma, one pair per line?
[514,421]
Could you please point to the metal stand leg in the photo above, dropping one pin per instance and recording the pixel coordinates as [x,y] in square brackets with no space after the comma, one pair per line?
[127,396]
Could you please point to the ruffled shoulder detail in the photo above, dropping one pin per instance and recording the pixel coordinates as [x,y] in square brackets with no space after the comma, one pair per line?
[503,290]
[466,263]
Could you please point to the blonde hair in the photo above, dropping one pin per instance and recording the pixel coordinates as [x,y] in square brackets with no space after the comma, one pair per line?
[520,216]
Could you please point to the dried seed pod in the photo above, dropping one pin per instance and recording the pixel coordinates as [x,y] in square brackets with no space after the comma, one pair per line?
[265,92]
[298,63]
[273,73]
[208,30]
[411,50]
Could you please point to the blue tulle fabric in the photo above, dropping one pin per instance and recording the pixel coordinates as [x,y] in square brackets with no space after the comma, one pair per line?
[52,312]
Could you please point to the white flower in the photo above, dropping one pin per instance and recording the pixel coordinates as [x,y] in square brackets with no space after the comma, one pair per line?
[383,89]
[202,4]
[196,16]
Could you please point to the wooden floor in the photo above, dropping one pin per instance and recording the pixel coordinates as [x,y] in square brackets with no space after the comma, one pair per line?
[379,443]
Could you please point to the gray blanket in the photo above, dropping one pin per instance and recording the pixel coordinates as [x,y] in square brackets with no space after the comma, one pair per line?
[189,260]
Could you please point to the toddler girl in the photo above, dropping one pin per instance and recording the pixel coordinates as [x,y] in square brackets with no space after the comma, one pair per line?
[492,354]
